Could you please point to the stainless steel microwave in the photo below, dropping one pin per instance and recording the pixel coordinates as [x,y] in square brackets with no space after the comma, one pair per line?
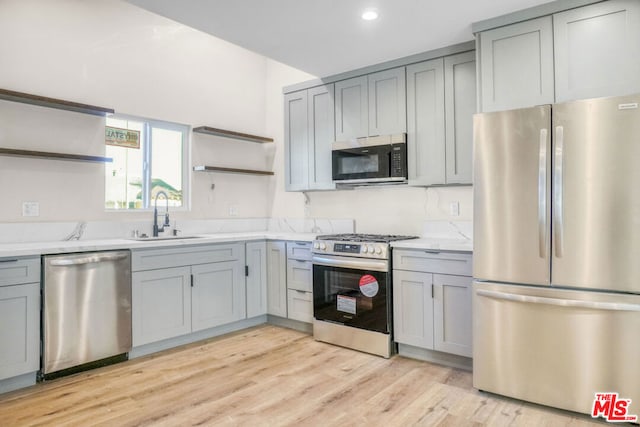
[377,159]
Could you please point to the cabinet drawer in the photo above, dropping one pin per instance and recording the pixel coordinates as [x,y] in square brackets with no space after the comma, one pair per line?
[299,250]
[433,262]
[16,271]
[299,275]
[300,305]
[151,259]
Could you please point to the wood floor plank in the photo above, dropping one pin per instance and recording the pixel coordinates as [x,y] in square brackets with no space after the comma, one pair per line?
[270,376]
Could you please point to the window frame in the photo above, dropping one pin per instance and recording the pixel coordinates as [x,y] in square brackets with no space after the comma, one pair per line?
[146,145]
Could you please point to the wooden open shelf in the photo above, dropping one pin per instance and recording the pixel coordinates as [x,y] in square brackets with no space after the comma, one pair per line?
[43,101]
[53,156]
[231,134]
[230,170]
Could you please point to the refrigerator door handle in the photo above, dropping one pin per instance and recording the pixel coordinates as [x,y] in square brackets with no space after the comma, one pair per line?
[594,305]
[557,191]
[542,195]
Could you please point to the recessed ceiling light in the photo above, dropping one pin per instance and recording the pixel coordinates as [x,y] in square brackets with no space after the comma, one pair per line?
[370,14]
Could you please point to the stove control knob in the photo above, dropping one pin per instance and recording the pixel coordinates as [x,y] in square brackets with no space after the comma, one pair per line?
[316,245]
[323,246]
[365,249]
[370,249]
[378,250]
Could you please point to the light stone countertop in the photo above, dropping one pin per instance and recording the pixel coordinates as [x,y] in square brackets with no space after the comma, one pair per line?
[442,244]
[13,250]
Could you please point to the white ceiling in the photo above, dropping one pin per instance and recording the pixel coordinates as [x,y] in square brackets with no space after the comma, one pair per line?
[328,37]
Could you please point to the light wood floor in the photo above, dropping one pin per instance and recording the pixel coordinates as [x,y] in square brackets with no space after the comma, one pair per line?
[270,376]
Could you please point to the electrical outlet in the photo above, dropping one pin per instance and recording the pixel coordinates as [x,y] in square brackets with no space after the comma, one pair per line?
[454,208]
[30,209]
[233,210]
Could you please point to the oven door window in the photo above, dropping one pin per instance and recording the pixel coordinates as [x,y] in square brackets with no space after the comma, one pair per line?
[361,163]
[356,298]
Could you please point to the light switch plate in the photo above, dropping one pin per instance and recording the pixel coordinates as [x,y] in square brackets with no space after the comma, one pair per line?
[30,209]
[454,208]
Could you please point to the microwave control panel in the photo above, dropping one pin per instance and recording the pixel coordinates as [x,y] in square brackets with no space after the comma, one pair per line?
[346,248]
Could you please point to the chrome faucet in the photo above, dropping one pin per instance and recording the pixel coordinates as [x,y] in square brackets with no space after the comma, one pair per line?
[157,229]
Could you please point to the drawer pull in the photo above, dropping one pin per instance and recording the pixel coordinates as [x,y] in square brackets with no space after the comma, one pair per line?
[8,260]
[431,252]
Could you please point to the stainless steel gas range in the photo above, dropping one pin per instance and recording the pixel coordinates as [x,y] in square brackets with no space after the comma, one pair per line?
[352,305]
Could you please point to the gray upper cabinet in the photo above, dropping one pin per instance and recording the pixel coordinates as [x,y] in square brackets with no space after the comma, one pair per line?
[351,108]
[321,134]
[460,103]
[516,65]
[309,133]
[387,102]
[296,141]
[597,50]
[441,101]
[426,123]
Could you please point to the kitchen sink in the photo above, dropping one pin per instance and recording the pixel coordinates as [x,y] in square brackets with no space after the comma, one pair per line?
[153,239]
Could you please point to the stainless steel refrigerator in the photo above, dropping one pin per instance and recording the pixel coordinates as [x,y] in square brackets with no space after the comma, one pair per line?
[556,297]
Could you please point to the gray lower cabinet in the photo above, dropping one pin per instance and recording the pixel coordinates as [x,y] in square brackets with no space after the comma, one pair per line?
[256,257]
[19,317]
[441,101]
[218,294]
[277,278]
[309,133]
[299,282]
[413,308]
[516,65]
[452,314]
[160,304]
[432,308]
[597,50]
[176,291]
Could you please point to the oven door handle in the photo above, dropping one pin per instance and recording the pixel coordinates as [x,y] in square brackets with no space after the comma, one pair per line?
[357,264]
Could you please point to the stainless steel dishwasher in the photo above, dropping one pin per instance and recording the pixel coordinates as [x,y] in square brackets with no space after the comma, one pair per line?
[86,310]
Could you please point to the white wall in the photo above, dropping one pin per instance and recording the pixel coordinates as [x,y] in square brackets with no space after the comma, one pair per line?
[112,54]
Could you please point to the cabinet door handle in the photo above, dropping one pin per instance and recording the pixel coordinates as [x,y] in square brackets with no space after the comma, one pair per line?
[192,280]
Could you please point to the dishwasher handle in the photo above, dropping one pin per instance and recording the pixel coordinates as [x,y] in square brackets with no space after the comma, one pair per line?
[569,303]
[89,259]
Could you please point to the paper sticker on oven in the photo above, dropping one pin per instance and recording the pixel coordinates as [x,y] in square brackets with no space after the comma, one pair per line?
[369,286]
[346,304]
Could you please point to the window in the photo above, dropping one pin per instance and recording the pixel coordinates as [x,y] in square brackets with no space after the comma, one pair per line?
[138,174]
